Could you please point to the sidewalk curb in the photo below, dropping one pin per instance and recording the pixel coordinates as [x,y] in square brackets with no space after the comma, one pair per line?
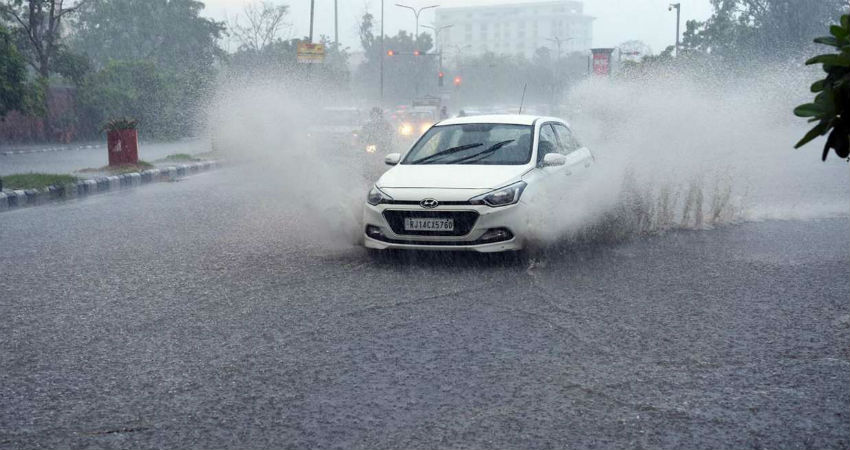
[10,199]
[65,148]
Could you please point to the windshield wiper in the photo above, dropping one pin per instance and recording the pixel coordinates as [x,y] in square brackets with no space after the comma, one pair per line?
[484,153]
[447,151]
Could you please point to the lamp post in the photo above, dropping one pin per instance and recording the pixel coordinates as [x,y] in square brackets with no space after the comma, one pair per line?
[312,7]
[459,51]
[416,13]
[436,31]
[678,7]
[557,40]
[383,51]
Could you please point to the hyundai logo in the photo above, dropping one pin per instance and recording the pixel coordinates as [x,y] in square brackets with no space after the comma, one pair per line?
[429,203]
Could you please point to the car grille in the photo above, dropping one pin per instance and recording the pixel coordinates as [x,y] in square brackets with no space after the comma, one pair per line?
[464,221]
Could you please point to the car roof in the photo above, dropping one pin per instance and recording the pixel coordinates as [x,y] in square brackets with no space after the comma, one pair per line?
[514,119]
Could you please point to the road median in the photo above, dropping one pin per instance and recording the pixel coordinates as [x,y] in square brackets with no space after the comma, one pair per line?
[17,198]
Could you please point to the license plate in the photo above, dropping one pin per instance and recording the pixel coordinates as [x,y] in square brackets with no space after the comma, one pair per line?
[435,224]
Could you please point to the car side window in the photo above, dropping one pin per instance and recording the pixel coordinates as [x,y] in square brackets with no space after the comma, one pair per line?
[548,142]
[568,141]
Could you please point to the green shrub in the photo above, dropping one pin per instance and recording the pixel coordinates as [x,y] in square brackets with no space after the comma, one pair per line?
[831,105]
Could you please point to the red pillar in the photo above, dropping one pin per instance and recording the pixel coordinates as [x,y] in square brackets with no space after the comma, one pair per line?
[123,147]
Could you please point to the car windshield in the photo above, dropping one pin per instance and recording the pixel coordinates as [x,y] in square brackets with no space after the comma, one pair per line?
[478,143]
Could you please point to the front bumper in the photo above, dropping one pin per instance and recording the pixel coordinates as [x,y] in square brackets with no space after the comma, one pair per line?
[487,220]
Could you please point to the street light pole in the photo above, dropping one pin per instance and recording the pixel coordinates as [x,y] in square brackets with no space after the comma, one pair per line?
[336,24]
[382,52]
[416,13]
[678,7]
[312,7]
[436,31]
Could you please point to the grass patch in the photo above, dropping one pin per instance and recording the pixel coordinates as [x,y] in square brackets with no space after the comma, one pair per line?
[212,154]
[181,157]
[124,168]
[36,180]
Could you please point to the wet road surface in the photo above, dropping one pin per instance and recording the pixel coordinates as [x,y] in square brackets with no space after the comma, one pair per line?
[200,314]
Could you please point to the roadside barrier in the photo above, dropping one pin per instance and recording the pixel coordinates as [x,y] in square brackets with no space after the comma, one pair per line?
[10,199]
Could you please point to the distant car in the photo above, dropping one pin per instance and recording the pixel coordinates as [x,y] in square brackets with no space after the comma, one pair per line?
[336,126]
[470,183]
[416,121]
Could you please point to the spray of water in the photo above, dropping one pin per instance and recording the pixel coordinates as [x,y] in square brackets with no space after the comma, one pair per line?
[692,151]
[262,125]
[674,150]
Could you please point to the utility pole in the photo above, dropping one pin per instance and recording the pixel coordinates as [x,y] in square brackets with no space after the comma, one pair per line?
[336,24]
[383,52]
[678,7]
[312,7]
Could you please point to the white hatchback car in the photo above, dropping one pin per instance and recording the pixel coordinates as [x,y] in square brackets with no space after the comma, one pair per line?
[470,183]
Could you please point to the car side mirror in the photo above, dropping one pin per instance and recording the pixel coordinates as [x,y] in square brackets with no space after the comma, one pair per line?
[554,159]
[392,159]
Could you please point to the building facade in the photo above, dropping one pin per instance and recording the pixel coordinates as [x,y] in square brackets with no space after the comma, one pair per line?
[514,28]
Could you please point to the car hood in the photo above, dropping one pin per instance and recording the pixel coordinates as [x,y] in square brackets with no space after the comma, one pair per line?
[450,176]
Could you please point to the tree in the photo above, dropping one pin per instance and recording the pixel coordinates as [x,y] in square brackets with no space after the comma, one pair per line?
[264,24]
[136,89]
[171,33]
[162,44]
[13,75]
[771,29]
[410,72]
[831,106]
[278,59]
[40,24]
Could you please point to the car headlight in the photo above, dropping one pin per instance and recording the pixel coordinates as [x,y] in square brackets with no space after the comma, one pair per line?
[424,127]
[377,196]
[507,195]
[405,129]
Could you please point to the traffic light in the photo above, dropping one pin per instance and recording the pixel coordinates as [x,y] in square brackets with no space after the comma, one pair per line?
[457,80]
[390,53]
[440,75]
[416,53]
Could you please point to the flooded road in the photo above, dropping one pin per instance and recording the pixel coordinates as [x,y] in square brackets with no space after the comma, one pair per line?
[201,314]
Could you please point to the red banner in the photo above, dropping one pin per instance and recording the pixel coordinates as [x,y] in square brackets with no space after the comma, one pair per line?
[602,61]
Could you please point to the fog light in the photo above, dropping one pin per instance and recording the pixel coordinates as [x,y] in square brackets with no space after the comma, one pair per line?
[374,232]
[496,235]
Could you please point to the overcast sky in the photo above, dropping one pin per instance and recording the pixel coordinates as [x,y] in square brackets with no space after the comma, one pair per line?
[616,20]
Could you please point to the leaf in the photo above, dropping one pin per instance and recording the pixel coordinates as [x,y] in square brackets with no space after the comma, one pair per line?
[819,130]
[837,31]
[841,143]
[845,21]
[827,40]
[817,86]
[830,60]
[809,110]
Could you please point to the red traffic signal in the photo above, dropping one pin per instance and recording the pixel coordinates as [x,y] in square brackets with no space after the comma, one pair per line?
[416,53]
[440,75]
[457,81]
[390,53]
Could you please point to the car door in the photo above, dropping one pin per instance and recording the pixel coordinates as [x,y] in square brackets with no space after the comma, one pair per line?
[579,158]
[553,177]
